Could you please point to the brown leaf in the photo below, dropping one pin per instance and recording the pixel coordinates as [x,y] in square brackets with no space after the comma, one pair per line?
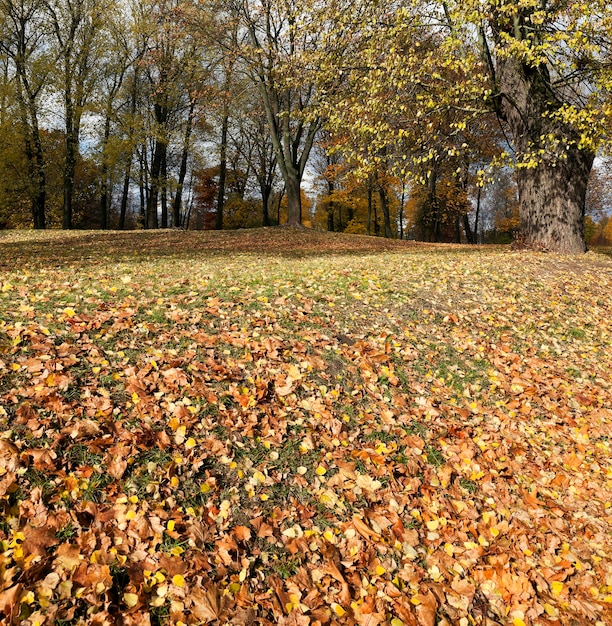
[9,606]
[207,603]
[426,610]
[37,540]
[242,533]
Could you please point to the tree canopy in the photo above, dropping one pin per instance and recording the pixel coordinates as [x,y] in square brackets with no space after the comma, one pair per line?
[424,95]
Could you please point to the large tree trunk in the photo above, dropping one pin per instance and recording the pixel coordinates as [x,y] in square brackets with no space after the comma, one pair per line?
[552,203]
[552,189]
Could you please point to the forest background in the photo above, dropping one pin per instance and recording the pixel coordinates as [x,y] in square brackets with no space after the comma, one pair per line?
[388,119]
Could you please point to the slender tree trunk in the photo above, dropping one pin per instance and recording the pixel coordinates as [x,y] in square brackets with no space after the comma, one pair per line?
[369,221]
[384,204]
[278,206]
[157,165]
[552,193]
[39,186]
[477,217]
[128,166]
[39,200]
[222,168]
[72,128]
[36,167]
[104,195]
[376,222]
[330,205]
[164,189]
[69,184]
[178,196]
[72,152]
[433,206]
[457,229]
[401,209]
[143,186]
[152,220]
[266,192]
[469,235]
[265,176]
[125,194]
[330,216]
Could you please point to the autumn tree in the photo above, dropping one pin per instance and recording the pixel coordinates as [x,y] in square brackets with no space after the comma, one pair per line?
[15,206]
[599,203]
[547,73]
[77,27]
[28,65]
[252,141]
[277,39]
[114,99]
[541,67]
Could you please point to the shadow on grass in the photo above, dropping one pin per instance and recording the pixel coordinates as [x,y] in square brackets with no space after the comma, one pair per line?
[60,247]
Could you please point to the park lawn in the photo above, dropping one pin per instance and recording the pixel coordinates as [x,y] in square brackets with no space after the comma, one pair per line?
[281,426]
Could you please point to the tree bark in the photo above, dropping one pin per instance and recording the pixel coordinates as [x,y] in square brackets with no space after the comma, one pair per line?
[152,220]
[222,168]
[469,235]
[157,165]
[125,193]
[369,218]
[384,205]
[104,182]
[294,197]
[39,192]
[72,148]
[33,147]
[330,206]
[552,188]
[36,167]
[178,196]
[164,190]
[552,203]
[130,156]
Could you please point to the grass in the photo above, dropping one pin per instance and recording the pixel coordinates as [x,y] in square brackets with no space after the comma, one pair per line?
[300,425]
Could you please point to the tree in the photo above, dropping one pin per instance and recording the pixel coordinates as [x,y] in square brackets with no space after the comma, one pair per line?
[77,26]
[279,37]
[599,203]
[121,55]
[541,66]
[23,31]
[14,183]
[252,141]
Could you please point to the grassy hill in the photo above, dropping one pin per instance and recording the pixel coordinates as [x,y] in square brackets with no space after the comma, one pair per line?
[289,427]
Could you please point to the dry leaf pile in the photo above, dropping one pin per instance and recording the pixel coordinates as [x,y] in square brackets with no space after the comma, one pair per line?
[287,427]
